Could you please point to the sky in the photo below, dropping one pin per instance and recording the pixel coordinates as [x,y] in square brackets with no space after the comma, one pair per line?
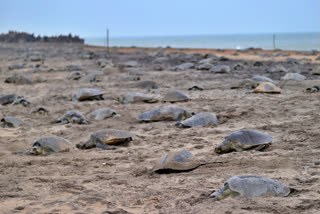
[158,17]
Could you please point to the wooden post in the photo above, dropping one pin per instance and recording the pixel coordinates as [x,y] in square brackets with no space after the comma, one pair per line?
[274,41]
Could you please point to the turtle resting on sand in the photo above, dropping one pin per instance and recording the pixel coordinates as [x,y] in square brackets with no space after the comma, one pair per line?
[246,83]
[136,97]
[88,94]
[11,122]
[49,145]
[72,116]
[40,111]
[7,99]
[251,186]
[104,138]
[179,161]
[200,119]
[244,140]
[22,101]
[168,113]
[75,75]
[313,89]
[147,84]
[267,87]
[101,114]
[175,96]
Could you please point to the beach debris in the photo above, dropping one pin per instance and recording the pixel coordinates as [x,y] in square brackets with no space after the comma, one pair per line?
[136,97]
[200,119]
[177,161]
[245,139]
[251,186]
[293,76]
[48,146]
[88,94]
[220,69]
[168,113]
[101,114]
[72,116]
[40,111]
[267,87]
[175,96]
[11,122]
[103,139]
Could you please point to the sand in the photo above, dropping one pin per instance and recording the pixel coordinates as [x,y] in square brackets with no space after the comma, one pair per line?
[120,181]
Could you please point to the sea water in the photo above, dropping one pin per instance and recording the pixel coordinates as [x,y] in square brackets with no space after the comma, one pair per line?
[284,41]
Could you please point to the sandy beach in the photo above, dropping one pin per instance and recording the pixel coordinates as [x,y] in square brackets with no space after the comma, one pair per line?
[121,181]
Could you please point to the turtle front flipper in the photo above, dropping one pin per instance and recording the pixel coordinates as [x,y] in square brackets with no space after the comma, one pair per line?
[87,145]
[105,147]
[63,122]
[262,147]
[224,193]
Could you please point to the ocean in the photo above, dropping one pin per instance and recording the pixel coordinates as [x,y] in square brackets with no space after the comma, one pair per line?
[284,41]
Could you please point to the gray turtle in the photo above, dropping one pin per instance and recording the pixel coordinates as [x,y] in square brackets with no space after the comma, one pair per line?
[40,111]
[75,75]
[22,101]
[244,140]
[49,145]
[175,96]
[72,116]
[103,139]
[313,89]
[7,99]
[260,79]
[136,97]
[267,87]
[11,122]
[251,186]
[147,84]
[200,119]
[195,87]
[246,83]
[179,161]
[101,114]
[169,113]
[88,94]
[18,79]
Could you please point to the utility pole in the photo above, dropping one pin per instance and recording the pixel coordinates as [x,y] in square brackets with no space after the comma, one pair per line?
[107,40]
[274,41]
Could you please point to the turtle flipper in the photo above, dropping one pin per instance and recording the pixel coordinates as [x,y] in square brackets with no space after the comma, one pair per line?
[105,147]
[63,122]
[262,147]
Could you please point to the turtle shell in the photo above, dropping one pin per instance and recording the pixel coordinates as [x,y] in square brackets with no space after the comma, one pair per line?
[245,139]
[7,99]
[267,87]
[175,96]
[246,83]
[88,94]
[147,84]
[178,161]
[57,144]
[101,114]
[200,119]
[262,79]
[135,97]
[111,136]
[168,113]
[11,122]
[40,110]
[73,114]
[255,186]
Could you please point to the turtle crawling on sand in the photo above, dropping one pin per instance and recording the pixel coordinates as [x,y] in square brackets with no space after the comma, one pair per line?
[200,119]
[72,116]
[40,111]
[267,87]
[88,94]
[251,186]
[175,96]
[246,83]
[104,138]
[11,122]
[169,113]
[244,140]
[101,114]
[313,89]
[136,97]
[179,161]
[22,101]
[49,145]
[7,99]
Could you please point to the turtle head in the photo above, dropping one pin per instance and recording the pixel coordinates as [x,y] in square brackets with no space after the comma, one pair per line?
[223,147]
[224,193]
[75,119]
[36,149]
[122,100]
[188,114]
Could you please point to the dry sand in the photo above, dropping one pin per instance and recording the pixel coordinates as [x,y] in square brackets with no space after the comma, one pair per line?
[120,181]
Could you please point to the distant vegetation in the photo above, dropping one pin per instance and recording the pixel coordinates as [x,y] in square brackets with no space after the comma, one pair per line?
[14,36]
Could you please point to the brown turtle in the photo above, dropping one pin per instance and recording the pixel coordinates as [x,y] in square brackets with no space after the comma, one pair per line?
[88,94]
[49,145]
[267,87]
[200,119]
[101,114]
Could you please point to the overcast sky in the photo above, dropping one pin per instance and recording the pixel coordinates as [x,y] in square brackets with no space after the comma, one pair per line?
[158,17]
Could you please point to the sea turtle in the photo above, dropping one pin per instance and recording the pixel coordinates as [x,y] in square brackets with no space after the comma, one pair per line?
[11,122]
[313,89]
[49,145]
[260,79]
[88,94]
[40,111]
[175,96]
[21,100]
[75,75]
[243,140]
[267,87]
[178,161]
[136,97]
[195,87]
[293,76]
[169,113]
[147,84]
[200,119]
[246,83]
[72,116]
[101,114]
[251,186]
[104,138]
[7,99]
[18,79]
